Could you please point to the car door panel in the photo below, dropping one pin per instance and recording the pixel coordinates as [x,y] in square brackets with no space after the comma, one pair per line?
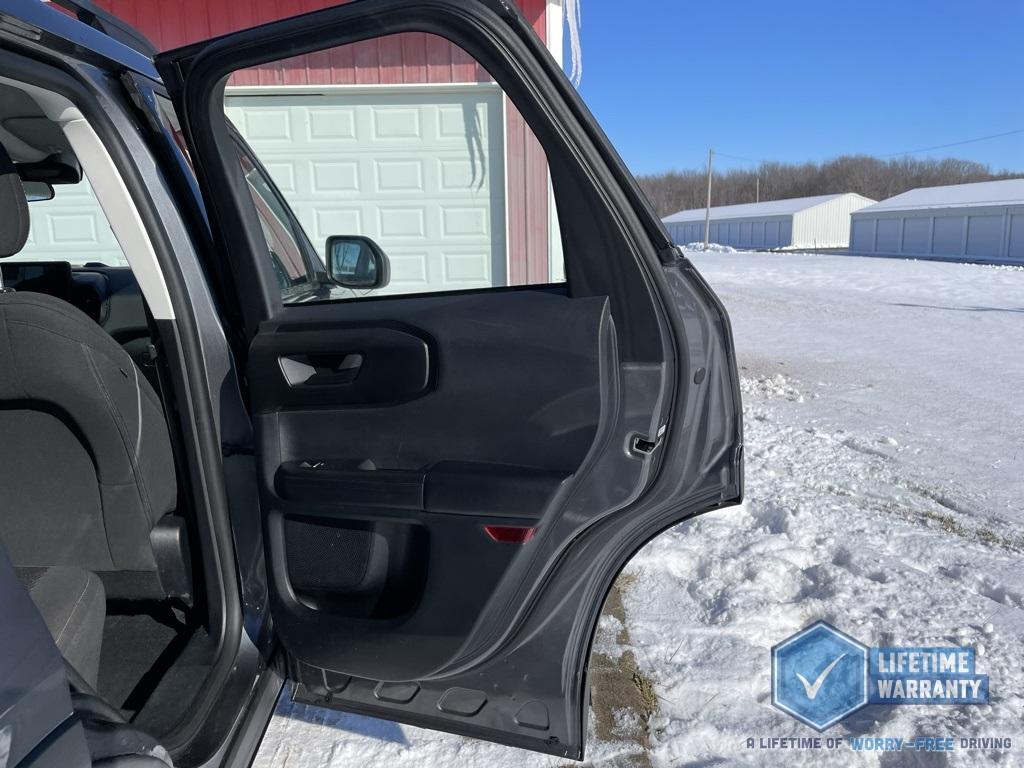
[535,353]
[408,509]
[442,533]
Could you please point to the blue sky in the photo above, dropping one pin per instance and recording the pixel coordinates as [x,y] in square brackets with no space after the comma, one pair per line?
[799,80]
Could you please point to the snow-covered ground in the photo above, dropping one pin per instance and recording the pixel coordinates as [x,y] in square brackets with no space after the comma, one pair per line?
[712,248]
[885,477]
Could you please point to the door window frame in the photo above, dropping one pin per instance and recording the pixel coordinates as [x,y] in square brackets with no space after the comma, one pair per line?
[529,78]
[314,271]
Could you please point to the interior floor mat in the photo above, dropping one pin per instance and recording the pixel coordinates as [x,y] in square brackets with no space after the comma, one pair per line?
[173,695]
[140,644]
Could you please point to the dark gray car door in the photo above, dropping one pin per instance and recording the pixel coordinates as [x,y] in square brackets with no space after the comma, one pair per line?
[450,483]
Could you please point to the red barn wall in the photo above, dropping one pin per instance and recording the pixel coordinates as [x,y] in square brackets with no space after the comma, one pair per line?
[173,24]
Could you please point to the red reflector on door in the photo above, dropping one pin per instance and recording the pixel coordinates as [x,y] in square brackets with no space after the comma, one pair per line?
[509,534]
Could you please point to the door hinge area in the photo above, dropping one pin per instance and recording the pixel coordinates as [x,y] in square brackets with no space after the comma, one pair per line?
[671,254]
[643,445]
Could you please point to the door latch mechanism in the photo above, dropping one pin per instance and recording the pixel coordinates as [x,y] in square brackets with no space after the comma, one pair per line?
[642,445]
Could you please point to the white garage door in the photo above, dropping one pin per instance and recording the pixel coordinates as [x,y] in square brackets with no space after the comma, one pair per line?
[71,227]
[420,170]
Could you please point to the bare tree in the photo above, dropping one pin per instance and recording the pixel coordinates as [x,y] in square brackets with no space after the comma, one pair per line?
[878,179]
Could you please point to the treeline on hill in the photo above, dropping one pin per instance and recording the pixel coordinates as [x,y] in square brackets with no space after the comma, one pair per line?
[878,179]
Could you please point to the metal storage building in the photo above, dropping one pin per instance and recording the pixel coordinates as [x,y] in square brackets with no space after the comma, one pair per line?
[822,221]
[982,221]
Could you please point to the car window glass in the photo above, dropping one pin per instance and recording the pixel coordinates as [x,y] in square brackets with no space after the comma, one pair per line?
[407,141]
[290,254]
[284,241]
[71,227]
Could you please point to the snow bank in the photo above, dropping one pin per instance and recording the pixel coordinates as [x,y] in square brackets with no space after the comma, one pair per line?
[712,247]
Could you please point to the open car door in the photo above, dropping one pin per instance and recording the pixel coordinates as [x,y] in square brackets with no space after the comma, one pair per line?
[451,479]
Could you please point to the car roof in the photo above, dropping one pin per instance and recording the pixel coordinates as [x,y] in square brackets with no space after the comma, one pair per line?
[90,34]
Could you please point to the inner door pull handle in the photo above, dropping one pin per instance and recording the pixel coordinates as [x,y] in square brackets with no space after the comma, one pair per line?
[321,369]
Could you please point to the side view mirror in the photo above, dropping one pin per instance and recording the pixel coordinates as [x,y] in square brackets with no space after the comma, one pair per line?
[355,261]
[37,191]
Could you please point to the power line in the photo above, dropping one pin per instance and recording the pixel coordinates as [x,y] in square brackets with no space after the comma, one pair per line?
[953,144]
[739,157]
[975,140]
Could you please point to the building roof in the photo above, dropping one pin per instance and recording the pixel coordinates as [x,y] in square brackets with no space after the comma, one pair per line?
[756,210]
[983,193]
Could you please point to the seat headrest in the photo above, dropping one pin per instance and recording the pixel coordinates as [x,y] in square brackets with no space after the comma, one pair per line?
[14,220]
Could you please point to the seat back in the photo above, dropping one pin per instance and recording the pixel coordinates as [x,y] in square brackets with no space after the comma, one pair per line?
[86,469]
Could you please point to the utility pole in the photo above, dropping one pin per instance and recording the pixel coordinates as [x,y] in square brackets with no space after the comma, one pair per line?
[757,193]
[707,210]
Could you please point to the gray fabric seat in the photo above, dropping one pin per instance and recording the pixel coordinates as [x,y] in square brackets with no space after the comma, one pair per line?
[72,602]
[86,468]
[112,742]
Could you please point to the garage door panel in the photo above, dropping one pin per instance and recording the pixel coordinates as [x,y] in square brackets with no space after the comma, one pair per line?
[395,222]
[328,124]
[328,176]
[264,125]
[985,236]
[863,235]
[411,271]
[458,222]
[948,235]
[786,233]
[1017,237]
[757,233]
[284,175]
[458,175]
[320,222]
[420,170]
[470,269]
[887,235]
[309,177]
[455,123]
[916,233]
[398,175]
[396,123]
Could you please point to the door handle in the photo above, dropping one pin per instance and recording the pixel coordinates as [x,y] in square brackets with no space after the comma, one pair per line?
[321,370]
